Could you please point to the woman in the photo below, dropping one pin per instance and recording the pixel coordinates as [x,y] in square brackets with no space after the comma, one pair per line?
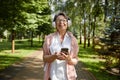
[59,65]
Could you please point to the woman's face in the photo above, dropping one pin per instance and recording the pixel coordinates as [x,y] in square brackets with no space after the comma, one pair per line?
[61,23]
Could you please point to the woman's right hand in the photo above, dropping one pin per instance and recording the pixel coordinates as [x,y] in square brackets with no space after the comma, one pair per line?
[51,58]
[59,56]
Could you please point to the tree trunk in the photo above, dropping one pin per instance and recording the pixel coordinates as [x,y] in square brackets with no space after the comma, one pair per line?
[84,30]
[88,40]
[84,34]
[31,39]
[13,41]
[80,35]
[0,38]
[93,40]
[89,31]
[39,37]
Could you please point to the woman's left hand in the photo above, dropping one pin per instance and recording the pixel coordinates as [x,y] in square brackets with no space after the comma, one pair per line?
[67,57]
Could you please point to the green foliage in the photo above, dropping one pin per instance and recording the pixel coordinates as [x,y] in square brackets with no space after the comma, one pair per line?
[79,12]
[111,38]
[111,41]
[45,29]
[97,10]
[23,14]
[6,60]
[95,64]
[22,50]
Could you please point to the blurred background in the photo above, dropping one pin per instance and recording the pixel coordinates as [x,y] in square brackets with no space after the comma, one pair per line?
[95,23]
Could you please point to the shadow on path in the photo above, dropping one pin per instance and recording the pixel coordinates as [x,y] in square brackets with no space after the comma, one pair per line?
[31,68]
[82,73]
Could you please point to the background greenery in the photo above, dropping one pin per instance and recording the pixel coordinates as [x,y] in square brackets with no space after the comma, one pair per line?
[95,23]
[23,48]
[95,64]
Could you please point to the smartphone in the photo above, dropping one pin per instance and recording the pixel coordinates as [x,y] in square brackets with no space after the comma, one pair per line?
[64,50]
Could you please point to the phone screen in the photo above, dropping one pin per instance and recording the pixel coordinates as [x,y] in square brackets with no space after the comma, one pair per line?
[64,50]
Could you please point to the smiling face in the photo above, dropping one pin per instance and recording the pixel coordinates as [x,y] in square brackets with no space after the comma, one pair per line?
[61,23]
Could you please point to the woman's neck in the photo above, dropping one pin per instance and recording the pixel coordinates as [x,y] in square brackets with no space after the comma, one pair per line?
[62,33]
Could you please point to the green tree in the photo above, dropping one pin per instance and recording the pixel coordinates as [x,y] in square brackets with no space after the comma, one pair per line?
[22,15]
[111,38]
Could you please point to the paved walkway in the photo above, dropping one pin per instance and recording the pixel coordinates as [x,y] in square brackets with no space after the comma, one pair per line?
[31,68]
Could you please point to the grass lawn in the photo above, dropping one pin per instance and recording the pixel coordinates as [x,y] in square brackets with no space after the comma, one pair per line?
[22,49]
[95,65]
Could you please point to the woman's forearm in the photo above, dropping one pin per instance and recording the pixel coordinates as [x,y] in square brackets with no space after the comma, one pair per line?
[72,61]
[49,58]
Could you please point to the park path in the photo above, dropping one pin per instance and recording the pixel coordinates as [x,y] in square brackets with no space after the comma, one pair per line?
[31,68]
